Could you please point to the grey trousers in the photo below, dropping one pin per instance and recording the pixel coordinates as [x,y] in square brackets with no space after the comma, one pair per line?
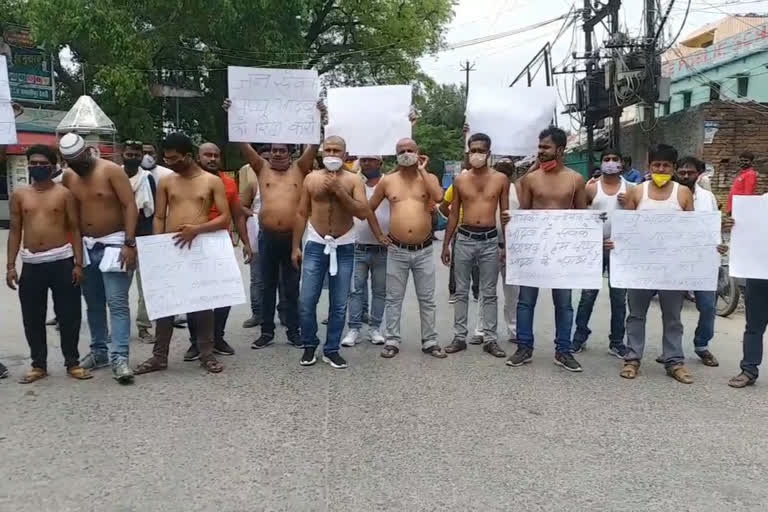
[672,342]
[142,318]
[401,262]
[485,255]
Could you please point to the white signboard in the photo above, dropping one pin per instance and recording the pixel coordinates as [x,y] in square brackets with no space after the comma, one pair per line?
[749,238]
[177,281]
[512,117]
[659,250]
[370,119]
[274,105]
[7,119]
[555,249]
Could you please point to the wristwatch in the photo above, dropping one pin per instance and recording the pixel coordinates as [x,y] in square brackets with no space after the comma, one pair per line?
[130,243]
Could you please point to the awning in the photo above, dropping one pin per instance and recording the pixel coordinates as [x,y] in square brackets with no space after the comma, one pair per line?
[28,139]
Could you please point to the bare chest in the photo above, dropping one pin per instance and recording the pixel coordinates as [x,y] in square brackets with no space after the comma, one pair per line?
[273,183]
[402,191]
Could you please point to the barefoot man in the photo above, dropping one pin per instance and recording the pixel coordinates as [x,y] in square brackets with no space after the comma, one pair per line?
[552,186]
[481,193]
[46,214]
[108,218]
[184,202]
[280,180]
[330,199]
[412,193]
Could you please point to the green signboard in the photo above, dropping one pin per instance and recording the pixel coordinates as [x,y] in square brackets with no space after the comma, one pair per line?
[30,69]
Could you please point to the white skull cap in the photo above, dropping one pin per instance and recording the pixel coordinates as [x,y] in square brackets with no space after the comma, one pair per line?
[71,145]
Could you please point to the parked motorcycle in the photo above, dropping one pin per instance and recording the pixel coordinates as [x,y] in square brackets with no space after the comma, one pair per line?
[729,291]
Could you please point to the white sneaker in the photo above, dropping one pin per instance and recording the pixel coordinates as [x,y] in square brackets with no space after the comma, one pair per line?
[376,337]
[351,339]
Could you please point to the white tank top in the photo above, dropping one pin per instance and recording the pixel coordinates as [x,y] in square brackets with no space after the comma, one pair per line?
[364,233]
[607,203]
[671,203]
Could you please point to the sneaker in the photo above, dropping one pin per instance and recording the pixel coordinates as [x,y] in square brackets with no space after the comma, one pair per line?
[452,299]
[577,347]
[708,358]
[377,338]
[335,360]
[223,348]
[180,321]
[251,323]
[3,371]
[352,338]
[477,338]
[618,350]
[494,349]
[145,336]
[568,362]
[92,362]
[263,341]
[294,339]
[521,356]
[324,322]
[308,359]
[121,372]
[192,354]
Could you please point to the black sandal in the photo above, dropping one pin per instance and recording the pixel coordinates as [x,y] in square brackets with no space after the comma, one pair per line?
[435,351]
[389,352]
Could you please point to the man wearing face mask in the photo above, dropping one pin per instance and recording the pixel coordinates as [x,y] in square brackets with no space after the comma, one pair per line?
[330,200]
[149,163]
[412,193]
[184,202]
[144,191]
[209,156]
[661,193]
[745,184]
[370,258]
[605,194]
[46,215]
[108,220]
[280,180]
[482,193]
[551,186]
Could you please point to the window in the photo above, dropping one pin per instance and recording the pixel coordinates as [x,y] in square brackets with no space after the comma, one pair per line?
[742,86]
[667,108]
[686,99]
[714,91]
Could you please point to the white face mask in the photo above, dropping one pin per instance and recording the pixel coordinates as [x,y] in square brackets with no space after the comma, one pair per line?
[148,163]
[332,163]
[611,167]
[477,160]
[407,159]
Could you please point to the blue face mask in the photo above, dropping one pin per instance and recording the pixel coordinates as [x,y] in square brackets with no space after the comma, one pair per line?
[40,172]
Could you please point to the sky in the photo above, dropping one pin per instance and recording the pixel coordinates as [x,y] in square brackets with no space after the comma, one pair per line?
[497,63]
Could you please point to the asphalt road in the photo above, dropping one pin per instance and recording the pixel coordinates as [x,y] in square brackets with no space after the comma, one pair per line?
[413,433]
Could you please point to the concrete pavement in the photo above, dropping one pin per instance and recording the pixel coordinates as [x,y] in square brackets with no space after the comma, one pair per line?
[413,433]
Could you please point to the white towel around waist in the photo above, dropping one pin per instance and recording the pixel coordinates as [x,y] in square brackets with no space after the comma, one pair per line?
[56,254]
[331,244]
[110,261]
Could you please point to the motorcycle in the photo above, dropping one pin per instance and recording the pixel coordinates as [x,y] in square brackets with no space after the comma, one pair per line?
[729,291]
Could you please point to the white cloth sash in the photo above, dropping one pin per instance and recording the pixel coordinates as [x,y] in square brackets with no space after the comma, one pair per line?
[56,254]
[331,244]
[110,262]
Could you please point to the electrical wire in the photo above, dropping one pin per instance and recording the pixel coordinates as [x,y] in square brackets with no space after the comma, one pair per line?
[680,31]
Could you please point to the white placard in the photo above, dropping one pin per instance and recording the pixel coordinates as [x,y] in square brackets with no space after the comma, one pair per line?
[749,238]
[274,105]
[555,249]
[178,281]
[512,117]
[7,118]
[661,250]
[370,119]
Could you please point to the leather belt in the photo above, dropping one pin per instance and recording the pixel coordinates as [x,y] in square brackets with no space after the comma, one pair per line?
[411,247]
[488,235]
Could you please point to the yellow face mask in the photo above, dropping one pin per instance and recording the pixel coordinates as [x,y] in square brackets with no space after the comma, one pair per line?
[661,179]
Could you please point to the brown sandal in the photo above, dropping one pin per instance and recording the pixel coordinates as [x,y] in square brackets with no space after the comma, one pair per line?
[212,365]
[79,373]
[33,375]
[742,380]
[629,371]
[389,352]
[435,351]
[152,364]
[680,374]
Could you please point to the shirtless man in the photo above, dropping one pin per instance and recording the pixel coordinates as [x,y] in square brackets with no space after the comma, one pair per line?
[280,181]
[412,193]
[481,193]
[46,214]
[108,219]
[209,156]
[184,202]
[605,194]
[551,186]
[330,199]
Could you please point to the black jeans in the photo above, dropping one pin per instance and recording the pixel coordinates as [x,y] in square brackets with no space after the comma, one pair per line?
[275,252]
[35,281]
[756,304]
[220,317]
[475,275]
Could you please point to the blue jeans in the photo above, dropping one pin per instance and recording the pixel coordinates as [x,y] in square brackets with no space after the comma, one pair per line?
[756,304]
[705,330]
[618,298]
[368,259]
[102,289]
[563,318]
[275,257]
[314,268]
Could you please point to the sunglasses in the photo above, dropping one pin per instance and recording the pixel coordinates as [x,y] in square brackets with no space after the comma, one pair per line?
[133,143]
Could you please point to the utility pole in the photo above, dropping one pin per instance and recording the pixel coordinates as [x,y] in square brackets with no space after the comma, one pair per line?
[618,109]
[650,62]
[467,68]
[589,122]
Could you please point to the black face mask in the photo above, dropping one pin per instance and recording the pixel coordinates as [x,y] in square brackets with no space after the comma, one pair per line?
[40,172]
[132,163]
[80,167]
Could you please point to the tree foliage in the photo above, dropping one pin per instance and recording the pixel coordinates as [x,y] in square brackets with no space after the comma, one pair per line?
[120,48]
[439,128]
